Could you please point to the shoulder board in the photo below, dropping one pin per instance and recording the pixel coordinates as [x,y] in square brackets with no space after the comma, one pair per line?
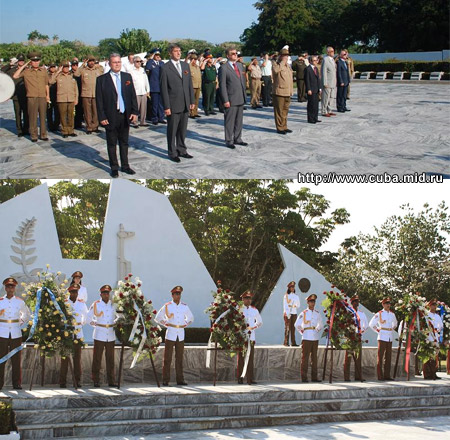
[316,311]
[167,303]
[253,307]
[184,304]
[81,300]
[21,299]
[2,298]
[95,302]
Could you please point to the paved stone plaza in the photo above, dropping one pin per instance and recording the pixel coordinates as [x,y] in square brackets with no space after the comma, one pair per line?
[393,127]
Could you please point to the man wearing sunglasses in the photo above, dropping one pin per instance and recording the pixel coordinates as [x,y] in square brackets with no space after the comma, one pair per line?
[384,323]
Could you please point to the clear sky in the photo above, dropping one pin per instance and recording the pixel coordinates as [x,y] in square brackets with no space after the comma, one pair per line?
[91,21]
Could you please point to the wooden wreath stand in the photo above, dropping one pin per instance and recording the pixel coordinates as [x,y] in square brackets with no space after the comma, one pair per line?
[215,349]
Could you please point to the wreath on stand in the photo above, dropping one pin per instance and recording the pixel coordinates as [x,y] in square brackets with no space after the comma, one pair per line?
[444,311]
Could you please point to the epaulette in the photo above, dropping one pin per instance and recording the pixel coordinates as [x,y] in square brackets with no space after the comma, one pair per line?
[316,311]
[81,300]
[184,304]
[21,299]
[253,307]
[167,303]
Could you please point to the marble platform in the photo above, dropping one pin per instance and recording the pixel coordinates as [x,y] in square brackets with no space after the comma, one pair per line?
[272,364]
[51,413]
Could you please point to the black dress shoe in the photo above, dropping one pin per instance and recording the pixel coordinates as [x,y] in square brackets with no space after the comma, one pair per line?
[281,132]
[347,110]
[244,144]
[341,111]
[114,174]
[65,136]
[128,170]
[182,383]
[155,123]
[191,117]
[207,114]
[79,385]
[253,383]
[186,156]
[437,378]
[288,131]
[20,135]
[112,385]
[88,132]
[311,122]
[96,131]
[286,345]
[175,159]
[316,380]
[33,140]
[62,385]
[213,113]
[73,135]
[197,116]
[318,120]
[240,381]
[44,139]
[230,146]
[304,380]
[259,106]
[163,122]
[166,384]
[17,387]
[295,345]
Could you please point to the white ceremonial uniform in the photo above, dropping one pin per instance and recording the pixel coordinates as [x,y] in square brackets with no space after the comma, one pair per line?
[252,319]
[363,322]
[384,323]
[79,311]
[175,317]
[82,294]
[103,315]
[436,321]
[291,302]
[309,324]
[14,313]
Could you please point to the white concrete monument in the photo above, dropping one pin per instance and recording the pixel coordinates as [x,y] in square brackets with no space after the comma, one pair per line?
[272,331]
[142,235]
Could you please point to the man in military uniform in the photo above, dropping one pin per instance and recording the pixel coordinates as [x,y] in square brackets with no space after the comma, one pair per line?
[436,326]
[13,315]
[20,96]
[255,75]
[36,84]
[299,66]
[53,119]
[253,320]
[363,324]
[176,316]
[384,323]
[291,302]
[78,123]
[89,73]
[209,84]
[309,324]
[153,68]
[196,76]
[79,313]
[66,97]
[102,316]
[282,91]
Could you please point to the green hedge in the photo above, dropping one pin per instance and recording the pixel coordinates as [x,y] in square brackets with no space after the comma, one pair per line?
[403,66]
[5,416]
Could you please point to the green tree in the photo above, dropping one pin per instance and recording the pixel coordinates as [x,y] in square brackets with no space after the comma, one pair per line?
[408,253]
[133,41]
[10,188]
[107,46]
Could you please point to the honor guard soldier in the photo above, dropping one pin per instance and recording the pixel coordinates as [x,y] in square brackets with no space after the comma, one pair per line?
[253,321]
[309,324]
[38,94]
[13,314]
[82,292]
[384,323]
[436,325]
[102,316]
[175,316]
[362,326]
[291,302]
[79,313]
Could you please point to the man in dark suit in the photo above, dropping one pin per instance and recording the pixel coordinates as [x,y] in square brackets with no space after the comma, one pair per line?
[232,91]
[177,96]
[312,84]
[343,80]
[116,107]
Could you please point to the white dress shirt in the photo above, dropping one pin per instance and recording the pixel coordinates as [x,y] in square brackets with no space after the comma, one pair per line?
[177,65]
[363,322]
[309,324]
[82,294]
[437,325]
[291,302]
[79,311]
[102,316]
[114,78]
[14,310]
[140,81]
[252,319]
[384,322]
[175,317]
[267,69]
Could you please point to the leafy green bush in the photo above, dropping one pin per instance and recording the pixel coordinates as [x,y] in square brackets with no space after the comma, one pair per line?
[5,416]
[403,66]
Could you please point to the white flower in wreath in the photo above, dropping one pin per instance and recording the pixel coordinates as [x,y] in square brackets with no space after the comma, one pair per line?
[120,309]
[136,341]
[400,301]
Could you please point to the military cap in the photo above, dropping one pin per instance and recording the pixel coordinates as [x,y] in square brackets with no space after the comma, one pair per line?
[21,57]
[74,286]
[10,282]
[291,284]
[311,297]
[52,65]
[155,51]
[247,294]
[91,58]
[77,274]
[13,60]
[192,51]
[34,56]
[65,63]
[432,302]
[385,300]
[177,289]
[106,288]
[354,298]
[284,52]
[74,61]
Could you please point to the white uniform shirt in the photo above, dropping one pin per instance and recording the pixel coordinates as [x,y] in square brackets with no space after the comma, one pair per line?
[436,321]
[253,319]
[175,317]
[363,322]
[82,294]
[291,302]
[384,323]
[267,69]
[79,311]
[13,309]
[102,315]
[309,324]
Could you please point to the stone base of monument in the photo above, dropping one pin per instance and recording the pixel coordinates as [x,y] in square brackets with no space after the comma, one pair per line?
[145,409]
[272,364]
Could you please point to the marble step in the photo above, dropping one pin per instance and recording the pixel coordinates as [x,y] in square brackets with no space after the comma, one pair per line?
[248,394]
[147,427]
[76,415]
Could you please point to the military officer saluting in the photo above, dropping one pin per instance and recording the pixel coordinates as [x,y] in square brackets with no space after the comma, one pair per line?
[79,313]
[253,320]
[291,302]
[102,316]
[13,314]
[309,324]
[436,326]
[176,316]
[384,323]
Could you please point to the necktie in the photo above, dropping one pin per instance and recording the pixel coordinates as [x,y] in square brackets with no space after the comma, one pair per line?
[179,69]
[315,71]
[236,70]
[119,93]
